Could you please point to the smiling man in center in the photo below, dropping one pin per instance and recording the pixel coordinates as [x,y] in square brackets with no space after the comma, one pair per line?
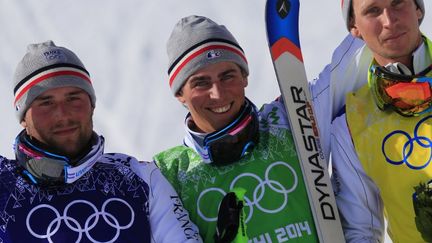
[230,147]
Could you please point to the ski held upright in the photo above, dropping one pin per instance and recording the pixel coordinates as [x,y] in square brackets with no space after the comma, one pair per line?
[282,23]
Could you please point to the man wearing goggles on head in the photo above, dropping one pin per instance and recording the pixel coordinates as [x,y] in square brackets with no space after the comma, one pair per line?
[62,187]
[230,146]
[381,141]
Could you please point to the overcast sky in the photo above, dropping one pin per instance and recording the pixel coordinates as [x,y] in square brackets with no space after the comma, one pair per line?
[122,44]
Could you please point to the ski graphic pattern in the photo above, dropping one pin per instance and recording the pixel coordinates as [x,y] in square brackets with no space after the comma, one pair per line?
[282,18]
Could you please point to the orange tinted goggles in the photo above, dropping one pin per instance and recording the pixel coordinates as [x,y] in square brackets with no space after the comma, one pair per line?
[409,95]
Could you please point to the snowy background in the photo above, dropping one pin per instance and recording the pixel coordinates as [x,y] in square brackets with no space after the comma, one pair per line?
[122,44]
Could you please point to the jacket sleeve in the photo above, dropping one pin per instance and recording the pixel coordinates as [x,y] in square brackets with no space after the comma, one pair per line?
[328,91]
[358,198]
[169,220]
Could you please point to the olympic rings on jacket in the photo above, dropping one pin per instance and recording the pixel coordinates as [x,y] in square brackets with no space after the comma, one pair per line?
[258,193]
[75,226]
[408,147]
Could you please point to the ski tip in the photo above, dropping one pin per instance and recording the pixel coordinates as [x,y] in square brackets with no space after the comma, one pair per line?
[282,21]
[285,45]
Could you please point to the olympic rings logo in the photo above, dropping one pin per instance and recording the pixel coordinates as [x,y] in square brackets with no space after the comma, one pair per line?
[75,226]
[258,192]
[408,147]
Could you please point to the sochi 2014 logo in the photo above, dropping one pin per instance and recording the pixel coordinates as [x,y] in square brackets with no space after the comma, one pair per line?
[410,150]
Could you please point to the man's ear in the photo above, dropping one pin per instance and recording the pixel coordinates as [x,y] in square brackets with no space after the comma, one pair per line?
[419,14]
[23,123]
[245,81]
[180,97]
[355,32]
[353,28]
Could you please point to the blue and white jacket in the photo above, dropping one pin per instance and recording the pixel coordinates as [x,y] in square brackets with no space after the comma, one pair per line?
[118,200]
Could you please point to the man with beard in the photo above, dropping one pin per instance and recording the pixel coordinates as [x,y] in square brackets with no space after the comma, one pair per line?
[62,187]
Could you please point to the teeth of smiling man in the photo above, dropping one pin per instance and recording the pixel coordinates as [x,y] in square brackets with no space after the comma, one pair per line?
[221,109]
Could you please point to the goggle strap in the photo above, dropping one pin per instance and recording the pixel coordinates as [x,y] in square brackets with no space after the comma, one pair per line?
[216,134]
[241,125]
[45,153]
[30,176]
[250,145]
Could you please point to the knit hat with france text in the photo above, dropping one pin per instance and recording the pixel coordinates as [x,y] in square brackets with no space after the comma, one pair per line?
[46,66]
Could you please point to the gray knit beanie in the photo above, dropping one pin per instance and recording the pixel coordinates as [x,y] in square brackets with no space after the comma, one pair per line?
[346,7]
[46,66]
[196,42]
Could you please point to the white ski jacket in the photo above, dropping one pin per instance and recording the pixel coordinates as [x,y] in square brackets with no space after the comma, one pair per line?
[346,72]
